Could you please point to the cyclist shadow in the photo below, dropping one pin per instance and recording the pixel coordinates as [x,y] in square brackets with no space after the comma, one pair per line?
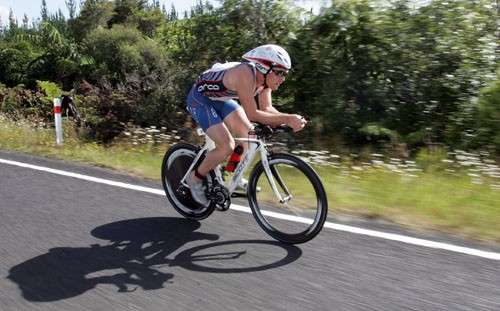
[136,257]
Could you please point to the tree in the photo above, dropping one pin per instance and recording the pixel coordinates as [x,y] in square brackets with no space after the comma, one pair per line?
[487,135]
[137,14]
[13,58]
[13,25]
[54,57]
[93,14]
[132,81]
[337,74]
[121,51]
[44,12]
[437,60]
[413,72]
[71,5]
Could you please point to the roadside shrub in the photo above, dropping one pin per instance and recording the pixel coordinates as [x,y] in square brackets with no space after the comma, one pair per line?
[488,116]
[19,101]
[432,158]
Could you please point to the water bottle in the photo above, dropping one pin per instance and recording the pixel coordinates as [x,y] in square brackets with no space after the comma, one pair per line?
[234,159]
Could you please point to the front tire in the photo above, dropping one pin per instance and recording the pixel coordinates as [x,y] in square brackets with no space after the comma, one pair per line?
[303,214]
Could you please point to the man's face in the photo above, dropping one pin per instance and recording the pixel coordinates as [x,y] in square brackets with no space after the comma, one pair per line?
[276,77]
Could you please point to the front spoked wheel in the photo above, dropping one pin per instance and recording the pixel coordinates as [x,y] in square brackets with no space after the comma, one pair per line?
[303,211]
[176,163]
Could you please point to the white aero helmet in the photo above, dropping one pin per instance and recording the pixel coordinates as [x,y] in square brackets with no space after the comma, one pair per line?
[265,57]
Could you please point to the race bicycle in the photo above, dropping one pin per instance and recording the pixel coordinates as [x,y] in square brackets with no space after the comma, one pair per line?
[285,194]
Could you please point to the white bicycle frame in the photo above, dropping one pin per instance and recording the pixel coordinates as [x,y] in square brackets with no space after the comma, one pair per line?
[255,146]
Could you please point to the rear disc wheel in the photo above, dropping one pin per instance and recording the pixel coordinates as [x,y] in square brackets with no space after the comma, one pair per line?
[176,163]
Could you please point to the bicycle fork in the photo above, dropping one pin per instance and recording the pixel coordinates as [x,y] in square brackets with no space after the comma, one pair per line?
[272,174]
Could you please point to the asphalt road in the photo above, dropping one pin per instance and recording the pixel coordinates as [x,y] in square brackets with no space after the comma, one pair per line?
[73,244]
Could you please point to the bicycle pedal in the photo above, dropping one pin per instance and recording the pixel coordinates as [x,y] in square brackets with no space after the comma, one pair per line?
[220,197]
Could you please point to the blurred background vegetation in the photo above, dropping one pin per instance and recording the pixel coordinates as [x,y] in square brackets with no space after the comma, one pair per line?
[385,76]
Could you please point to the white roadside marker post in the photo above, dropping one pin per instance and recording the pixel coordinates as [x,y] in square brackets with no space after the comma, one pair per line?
[58,120]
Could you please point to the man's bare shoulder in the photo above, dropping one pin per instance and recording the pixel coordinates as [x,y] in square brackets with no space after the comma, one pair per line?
[241,76]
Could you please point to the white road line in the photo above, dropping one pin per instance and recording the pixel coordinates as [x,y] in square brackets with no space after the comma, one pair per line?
[85,177]
[356,230]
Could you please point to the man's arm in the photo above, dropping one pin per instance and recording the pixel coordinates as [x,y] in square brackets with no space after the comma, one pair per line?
[297,122]
[267,114]
[266,101]
[246,89]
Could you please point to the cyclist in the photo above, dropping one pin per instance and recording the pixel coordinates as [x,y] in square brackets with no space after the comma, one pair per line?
[211,102]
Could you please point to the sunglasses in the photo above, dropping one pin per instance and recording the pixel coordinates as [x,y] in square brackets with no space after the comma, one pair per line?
[280,73]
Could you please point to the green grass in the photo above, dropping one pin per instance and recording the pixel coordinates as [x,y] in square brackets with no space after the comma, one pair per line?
[142,160]
[445,201]
[439,201]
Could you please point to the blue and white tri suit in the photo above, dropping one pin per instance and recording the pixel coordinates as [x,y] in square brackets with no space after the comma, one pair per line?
[209,100]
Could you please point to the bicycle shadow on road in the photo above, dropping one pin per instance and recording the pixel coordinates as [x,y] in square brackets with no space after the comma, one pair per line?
[228,256]
[135,257]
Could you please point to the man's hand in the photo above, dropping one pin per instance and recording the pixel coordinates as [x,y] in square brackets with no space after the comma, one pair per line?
[296,122]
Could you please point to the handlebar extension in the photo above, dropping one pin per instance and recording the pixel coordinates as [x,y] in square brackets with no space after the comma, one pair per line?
[266,130]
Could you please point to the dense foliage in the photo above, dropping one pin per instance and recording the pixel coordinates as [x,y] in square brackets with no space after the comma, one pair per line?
[384,74]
